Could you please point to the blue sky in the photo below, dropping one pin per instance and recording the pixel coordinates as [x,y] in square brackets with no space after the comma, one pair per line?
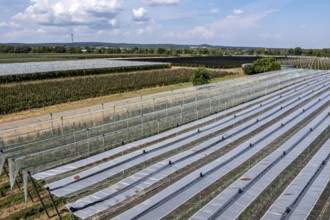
[265,23]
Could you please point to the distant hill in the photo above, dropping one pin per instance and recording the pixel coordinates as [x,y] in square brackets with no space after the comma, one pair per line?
[128,45]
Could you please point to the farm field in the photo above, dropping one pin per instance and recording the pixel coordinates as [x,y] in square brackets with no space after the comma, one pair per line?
[237,61]
[308,63]
[16,97]
[42,67]
[207,61]
[207,152]
[18,72]
[44,57]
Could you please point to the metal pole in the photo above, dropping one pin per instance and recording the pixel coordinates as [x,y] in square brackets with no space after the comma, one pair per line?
[103,112]
[103,141]
[153,105]
[196,106]
[51,198]
[40,199]
[114,113]
[74,132]
[62,128]
[51,119]
[181,120]
[142,122]
[88,144]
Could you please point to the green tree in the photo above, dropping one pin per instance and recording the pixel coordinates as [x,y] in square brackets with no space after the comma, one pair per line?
[262,65]
[161,51]
[258,51]
[298,51]
[251,52]
[59,49]
[201,76]
[74,50]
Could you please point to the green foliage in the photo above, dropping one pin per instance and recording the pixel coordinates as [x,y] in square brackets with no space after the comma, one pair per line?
[17,97]
[201,76]
[298,51]
[262,65]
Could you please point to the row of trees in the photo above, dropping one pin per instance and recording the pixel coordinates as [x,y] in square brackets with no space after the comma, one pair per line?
[36,94]
[173,52]
[105,50]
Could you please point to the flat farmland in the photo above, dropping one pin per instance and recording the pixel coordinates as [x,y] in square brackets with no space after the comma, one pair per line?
[208,61]
[42,67]
[207,152]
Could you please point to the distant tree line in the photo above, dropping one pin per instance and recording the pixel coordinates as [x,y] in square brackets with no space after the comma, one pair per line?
[203,51]
[106,50]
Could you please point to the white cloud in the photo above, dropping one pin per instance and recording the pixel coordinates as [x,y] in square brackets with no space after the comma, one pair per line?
[143,31]
[278,36]
[113,33]
[197,33]
[214,11]
[161,2]
[238,11]
[70,12]
[113,22]
[245,21]
[270,37]
[9,25]
[230,28]
[4,25]
[201,32]
[140,15]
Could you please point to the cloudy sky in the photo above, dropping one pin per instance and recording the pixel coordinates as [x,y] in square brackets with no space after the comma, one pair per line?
[267,23]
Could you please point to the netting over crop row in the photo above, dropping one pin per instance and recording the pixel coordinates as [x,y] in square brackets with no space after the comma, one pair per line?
[57,124]
[307,63]
[141,122]
[40,67]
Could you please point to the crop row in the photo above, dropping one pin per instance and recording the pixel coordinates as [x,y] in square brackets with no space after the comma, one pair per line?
[235,118]
[16,75]
[46,57]
[111,200]
[211,61]
[307,63]
[162,203]
[28,95]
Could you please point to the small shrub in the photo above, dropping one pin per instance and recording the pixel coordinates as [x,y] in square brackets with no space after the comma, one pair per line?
[262,65]
[201,76]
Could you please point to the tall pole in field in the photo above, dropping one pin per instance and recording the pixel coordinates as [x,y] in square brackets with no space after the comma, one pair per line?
[72,39]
